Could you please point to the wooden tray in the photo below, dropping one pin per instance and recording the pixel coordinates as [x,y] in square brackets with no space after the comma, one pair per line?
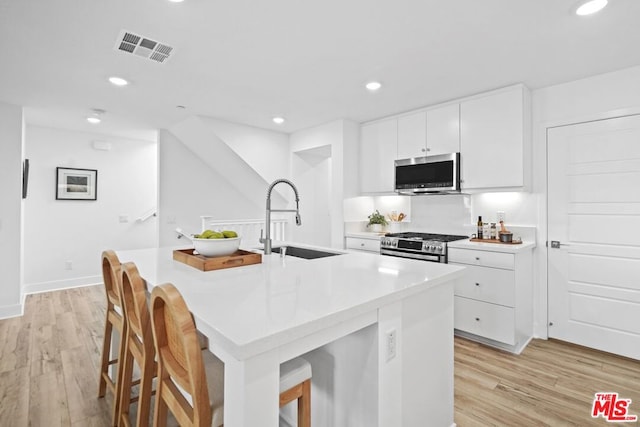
[237,259]
[495,241]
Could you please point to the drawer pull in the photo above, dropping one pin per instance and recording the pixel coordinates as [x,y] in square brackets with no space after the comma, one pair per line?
[477,284]
[361,244]
[477,319]
[477,258]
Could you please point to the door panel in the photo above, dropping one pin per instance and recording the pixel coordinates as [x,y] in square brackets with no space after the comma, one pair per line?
[594,212]
[605,229]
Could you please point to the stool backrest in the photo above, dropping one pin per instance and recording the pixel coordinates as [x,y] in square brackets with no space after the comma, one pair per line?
[179,359]
[134,301]
[110,274]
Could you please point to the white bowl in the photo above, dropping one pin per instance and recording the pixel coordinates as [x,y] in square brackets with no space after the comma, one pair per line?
[216,247]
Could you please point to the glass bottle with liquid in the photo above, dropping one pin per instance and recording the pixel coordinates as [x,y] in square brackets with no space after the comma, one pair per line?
[479,229]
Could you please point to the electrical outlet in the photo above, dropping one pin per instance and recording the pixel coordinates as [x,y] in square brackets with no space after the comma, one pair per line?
[391,344]
[68,265]
[500,216]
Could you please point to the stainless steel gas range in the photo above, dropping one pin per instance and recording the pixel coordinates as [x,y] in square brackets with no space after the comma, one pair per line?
[424,246]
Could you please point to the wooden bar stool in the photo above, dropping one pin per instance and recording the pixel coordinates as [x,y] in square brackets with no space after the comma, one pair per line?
[182,368]
[138,348]
[114,319]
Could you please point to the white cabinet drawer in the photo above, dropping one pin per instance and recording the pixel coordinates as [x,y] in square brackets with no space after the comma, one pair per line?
[481,258]
[492,285]
[487,320]
[363,244]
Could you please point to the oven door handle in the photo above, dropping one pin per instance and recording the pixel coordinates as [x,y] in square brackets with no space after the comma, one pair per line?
[421,257]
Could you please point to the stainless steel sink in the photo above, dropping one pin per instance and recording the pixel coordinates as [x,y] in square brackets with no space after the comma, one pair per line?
[304,252]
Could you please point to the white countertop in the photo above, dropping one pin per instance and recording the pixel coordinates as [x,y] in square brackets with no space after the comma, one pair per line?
[365,234]
[251,309]
[494,247]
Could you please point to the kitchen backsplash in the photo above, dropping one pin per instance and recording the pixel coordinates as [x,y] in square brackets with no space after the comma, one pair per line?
[450,214]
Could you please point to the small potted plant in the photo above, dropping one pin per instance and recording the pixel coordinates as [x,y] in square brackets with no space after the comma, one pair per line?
[376,222]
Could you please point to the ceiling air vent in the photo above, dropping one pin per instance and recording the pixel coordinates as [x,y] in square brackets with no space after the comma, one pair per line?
[143,47]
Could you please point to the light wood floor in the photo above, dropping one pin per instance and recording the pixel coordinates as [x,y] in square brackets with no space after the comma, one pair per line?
[49,360]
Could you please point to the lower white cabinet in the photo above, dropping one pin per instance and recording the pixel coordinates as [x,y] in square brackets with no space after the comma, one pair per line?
[363,244]
[493,301]
[492,321]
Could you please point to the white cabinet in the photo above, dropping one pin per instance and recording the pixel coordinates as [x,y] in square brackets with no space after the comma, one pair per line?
[443,130]
[492,132]
[495,140]
[412,135]
[363,244]
[493,301]
[378,149]
[429,133]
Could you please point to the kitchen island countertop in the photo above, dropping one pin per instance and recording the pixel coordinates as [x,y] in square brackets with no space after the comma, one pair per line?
[347,306]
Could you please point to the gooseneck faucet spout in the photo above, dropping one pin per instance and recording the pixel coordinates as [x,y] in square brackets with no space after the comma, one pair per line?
[267,223]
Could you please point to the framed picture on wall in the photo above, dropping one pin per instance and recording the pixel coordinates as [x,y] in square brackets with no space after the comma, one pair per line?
[76,184]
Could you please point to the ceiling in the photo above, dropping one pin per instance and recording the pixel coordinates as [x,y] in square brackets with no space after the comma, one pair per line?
[246,61]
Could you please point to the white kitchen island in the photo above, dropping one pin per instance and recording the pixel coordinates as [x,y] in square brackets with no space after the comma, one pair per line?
[344,307]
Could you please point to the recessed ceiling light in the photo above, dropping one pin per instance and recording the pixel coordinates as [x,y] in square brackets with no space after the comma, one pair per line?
[94,118]
[373,86]
[176,1]
[590,7]
[278,120]
[118,81]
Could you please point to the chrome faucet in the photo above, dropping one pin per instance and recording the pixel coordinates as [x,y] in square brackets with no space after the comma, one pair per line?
[267,223]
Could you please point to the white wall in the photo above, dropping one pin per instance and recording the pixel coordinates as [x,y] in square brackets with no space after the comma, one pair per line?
[598,97]
[189,188]
[265,151]
[325,153]
[311,172]
[61,231]
[520,208]
[11,148]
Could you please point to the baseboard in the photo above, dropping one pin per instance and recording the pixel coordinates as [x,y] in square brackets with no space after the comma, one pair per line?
[516,349]
[57,285]
[8,311]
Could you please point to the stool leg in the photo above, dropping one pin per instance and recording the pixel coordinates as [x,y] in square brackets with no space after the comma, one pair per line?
[144,400]
[304,405]
[160,410]
[104,363]
[122,398]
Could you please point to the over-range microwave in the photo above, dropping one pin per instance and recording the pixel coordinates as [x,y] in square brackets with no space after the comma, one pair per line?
[428,175]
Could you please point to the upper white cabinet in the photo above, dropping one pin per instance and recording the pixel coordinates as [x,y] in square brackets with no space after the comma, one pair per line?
[443,130]
[492,132]
[495,140]
[412,135]
[378,150]
[429,133]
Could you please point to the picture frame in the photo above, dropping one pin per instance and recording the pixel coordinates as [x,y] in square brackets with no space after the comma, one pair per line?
[76,184]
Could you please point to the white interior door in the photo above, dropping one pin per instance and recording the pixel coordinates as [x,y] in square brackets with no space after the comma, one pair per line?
[594,216]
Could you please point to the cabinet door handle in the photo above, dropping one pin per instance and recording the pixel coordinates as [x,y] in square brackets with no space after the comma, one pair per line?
[477,258]
[477,319]
[424,150]
[477,284]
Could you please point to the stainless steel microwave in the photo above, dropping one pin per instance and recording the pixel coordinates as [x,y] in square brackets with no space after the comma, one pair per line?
[428,175]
